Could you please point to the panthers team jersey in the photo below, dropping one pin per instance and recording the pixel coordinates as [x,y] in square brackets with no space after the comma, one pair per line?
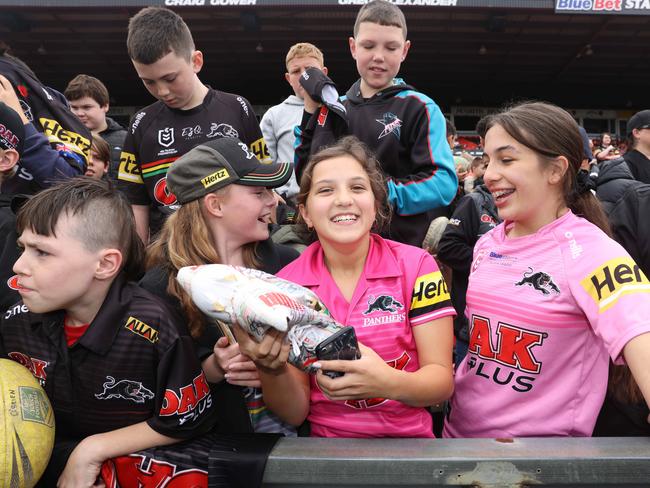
[400,288]
[546,312]
[158,135]
[131,365]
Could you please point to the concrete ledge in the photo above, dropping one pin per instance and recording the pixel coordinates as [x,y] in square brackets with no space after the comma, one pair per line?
[583,462]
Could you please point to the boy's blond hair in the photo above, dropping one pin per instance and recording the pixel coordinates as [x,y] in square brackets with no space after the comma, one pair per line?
[380,12]
[304,49]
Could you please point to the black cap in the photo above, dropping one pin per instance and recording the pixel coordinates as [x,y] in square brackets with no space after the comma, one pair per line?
[322,90]
[640,120]
[218,163]
[586,150]
[12,129]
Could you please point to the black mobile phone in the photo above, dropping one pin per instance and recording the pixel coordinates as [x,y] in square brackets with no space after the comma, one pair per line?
[340,345]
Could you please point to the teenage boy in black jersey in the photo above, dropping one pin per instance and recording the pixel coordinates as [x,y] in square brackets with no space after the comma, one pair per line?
[118,367]
[186,114]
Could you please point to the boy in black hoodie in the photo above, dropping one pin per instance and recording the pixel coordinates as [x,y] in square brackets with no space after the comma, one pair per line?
[404,127]
[12,135]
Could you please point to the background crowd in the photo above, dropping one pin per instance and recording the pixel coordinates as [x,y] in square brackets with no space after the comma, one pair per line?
[513,282]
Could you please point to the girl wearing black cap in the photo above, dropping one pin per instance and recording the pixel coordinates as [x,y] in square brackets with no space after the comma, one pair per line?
[227,203]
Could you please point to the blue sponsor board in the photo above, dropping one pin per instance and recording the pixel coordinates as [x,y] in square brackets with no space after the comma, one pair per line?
[616,7]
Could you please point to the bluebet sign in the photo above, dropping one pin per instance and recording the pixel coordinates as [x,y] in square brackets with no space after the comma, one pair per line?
[625,7]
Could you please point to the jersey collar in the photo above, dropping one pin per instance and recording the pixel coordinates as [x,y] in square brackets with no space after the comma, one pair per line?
[380,262]
[104,328]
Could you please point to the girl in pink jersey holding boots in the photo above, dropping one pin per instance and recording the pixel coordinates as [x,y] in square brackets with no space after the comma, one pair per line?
[551,298]
[391,293]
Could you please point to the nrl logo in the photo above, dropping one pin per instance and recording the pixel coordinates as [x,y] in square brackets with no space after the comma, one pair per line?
[166,136]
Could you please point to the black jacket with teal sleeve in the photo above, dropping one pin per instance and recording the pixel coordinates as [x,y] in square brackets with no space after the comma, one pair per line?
[407,132]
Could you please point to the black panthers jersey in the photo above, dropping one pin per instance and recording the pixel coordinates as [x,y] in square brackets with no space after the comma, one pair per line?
[132,364]
[158,135]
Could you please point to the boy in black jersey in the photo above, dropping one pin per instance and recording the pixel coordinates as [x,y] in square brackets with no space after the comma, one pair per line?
[118,367]
[186,114]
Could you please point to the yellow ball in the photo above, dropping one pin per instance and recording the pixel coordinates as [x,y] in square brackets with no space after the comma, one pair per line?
[26,427]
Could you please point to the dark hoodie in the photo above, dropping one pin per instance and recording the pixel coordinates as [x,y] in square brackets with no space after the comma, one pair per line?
[9,253]
[614,179]
[406,130]
[475,215]
[114,135]
[639,165]
[56,142]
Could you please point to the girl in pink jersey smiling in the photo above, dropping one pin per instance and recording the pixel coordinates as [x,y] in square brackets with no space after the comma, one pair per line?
[391,293]
[551,297]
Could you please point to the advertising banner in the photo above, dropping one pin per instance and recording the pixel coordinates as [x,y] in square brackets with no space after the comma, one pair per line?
[617,7]
[534,4]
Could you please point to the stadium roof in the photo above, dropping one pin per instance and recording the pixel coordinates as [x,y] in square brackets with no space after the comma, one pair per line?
[578,53]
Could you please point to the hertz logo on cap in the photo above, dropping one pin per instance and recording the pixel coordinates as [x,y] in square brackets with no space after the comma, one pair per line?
[138,327]
[617,277]
[215,177]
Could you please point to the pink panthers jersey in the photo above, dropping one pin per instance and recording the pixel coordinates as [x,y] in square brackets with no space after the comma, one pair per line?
[400,287]
[546,312]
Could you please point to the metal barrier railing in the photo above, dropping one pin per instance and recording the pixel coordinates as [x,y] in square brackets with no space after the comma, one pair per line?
[522,462]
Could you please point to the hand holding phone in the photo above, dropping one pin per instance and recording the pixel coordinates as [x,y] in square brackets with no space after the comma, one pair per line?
[340,345]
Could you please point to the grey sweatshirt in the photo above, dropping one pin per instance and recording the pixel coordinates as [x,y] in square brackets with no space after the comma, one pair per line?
[277,127]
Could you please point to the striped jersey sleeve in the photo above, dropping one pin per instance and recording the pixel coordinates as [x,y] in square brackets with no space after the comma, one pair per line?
[430,299]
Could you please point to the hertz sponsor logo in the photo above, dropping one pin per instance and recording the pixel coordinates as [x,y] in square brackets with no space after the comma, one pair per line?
[615,278]
[215,177]
[143,330]
[55,133]
[128,170]
[429,290]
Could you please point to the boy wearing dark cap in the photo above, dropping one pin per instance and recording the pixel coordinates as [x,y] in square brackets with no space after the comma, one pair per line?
[187,113]
[638,133]
[56,144]
[12,135]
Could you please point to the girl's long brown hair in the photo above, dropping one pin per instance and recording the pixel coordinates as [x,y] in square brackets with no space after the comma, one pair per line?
[622,386]
[551,131]
[185,240]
